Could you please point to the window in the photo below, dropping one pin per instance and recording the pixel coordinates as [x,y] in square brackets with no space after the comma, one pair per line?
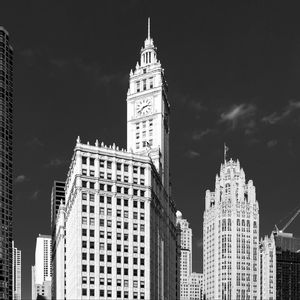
[84,220]
[142,205]
[109,176]
[84,256]
[84,279]
[125,178]
[109,188]
[151,82]
[92,197]
[84,196]
[138,88]
[92,161]
[119,165]
[92,185]
[135,204]
[102,281]
[142,193]
[109,165]
[135,169]
[84,183]
[83,232]
[101,199]
[84,171]
[144,84]
[92,209]
[101,163]
[83,208]
[84,292]
[84,160]
[84,268]
[102,175]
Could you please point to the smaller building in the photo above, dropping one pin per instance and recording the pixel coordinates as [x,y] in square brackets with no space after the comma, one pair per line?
[17,267]
[41,272]
[268,268]
[287,266]
[191,283]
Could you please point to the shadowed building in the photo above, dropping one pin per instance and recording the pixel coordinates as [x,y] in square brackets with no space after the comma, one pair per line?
[287,266]
[6,107]
[57,197]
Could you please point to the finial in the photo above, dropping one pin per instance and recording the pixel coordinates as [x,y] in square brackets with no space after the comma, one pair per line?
[149,28]
[97,143]
[78,140]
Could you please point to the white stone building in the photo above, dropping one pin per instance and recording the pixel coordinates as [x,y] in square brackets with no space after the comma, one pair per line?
[268,268]
[17,275]
[191,284]
[231,237]
[41,271]
[119,218]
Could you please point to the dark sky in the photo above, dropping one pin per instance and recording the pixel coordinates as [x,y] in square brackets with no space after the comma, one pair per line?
[233,70]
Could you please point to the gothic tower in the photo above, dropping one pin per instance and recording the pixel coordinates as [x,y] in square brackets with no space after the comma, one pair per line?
[148,110]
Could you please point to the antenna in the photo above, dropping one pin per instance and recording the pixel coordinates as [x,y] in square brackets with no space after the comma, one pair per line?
[149,28]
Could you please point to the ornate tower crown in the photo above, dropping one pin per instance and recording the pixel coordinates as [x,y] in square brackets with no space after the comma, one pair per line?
[148,52]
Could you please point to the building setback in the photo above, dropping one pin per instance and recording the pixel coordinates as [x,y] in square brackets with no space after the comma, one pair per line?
[119,218]
[231,237]
[6,124]
[17,275]
[41,271]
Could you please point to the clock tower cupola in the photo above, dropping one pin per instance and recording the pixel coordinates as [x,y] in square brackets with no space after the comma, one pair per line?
[148,110]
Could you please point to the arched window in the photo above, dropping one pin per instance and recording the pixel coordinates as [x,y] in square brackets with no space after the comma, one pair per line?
[227,188]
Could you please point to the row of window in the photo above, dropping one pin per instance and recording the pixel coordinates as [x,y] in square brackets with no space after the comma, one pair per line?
[135,295]
[109,188]
[109,235]
[108,165]
[108,282]
[142,85]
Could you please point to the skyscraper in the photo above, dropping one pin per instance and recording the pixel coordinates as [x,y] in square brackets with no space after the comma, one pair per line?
[191,283]
[41,271]
[6,94]
[287,266]
[57,197]
[231,237]
[120,221]
[17,269]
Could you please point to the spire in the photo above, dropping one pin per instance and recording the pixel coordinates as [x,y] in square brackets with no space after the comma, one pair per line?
[149,28]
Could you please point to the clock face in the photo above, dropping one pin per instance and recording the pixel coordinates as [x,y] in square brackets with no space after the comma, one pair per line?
[143,107]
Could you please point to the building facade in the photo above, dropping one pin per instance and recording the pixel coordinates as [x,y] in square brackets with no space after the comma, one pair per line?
[268,268]
[41,271]
[57,197]
[119,218]
[6,126]
[17,273]
[231,237]
[191,283]
[287,266]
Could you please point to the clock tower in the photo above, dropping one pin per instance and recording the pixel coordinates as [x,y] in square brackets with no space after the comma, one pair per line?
[148,110]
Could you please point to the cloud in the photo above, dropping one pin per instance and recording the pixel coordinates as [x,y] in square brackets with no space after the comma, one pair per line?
[35,194]
[276,117]
[35,143]
[192,154]
[21,178]
[198,135]
[272,143]
[238,112]
[55,163]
